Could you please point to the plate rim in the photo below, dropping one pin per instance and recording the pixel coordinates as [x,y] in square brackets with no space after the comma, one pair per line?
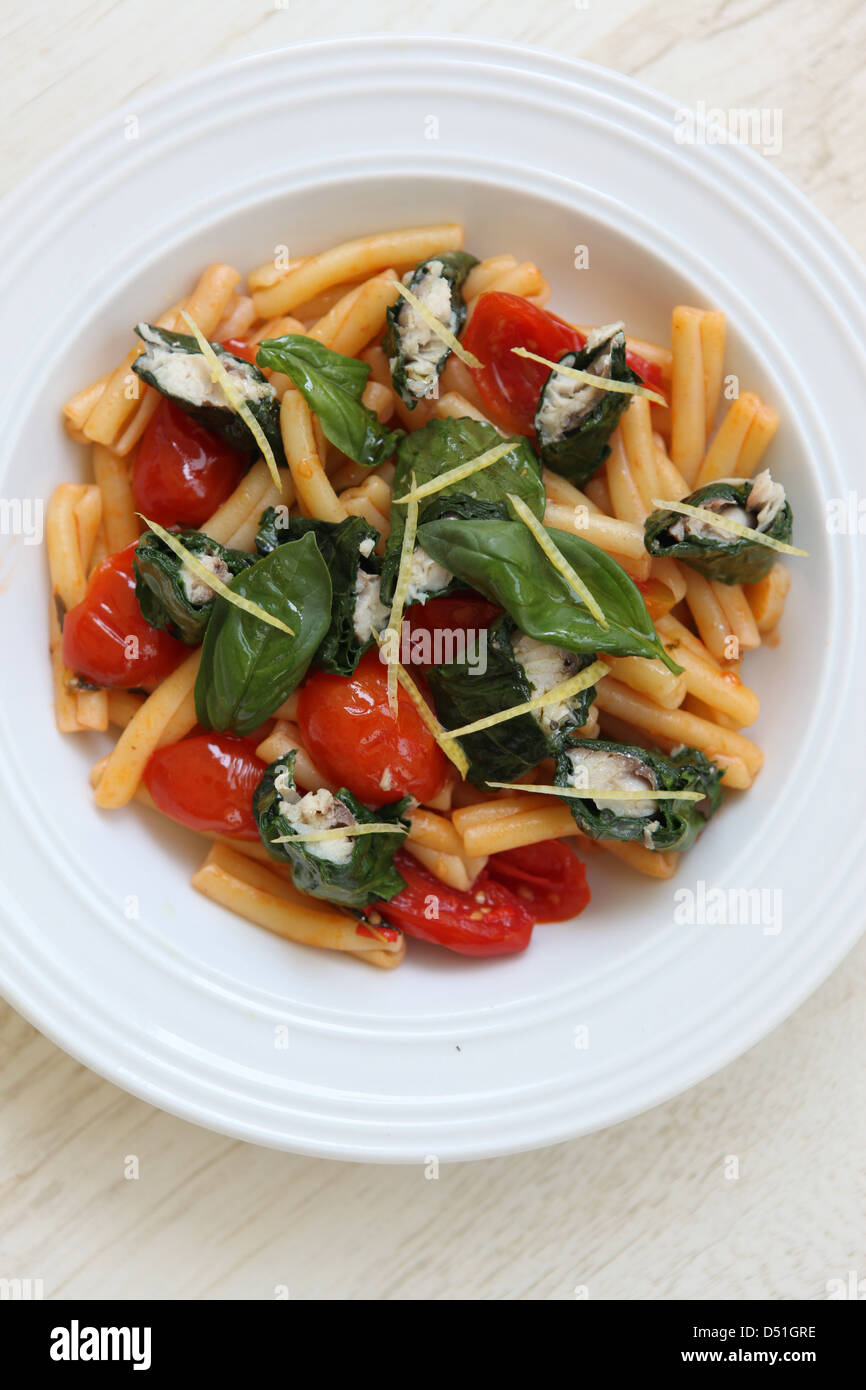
[476,47]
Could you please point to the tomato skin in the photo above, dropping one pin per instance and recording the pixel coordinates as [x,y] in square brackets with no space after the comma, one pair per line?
[239,347]
[503,928]
[650,373]
[548,878]
[511,386]
[183,472]
[97,630]
[206,783]
[351,735]
[453,613]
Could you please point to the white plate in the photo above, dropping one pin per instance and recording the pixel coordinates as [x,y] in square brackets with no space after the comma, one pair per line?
[182,1004]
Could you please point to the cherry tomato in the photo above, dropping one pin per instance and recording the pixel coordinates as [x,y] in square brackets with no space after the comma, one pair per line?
[239,347]
[207,783]
[105,638]
[183,472]
[487,921]
[354,739]
[547,877]
[650,373]
[510,386]
[437,623]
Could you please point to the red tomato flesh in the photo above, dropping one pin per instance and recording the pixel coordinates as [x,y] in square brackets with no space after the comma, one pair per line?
[105,638]
[548,878]
[183,472]
[356,742]
[207,783]
[239,347]
[511,386]
[452,614]
[489,920]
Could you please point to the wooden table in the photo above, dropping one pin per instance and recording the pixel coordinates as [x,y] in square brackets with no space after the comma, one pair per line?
[642,1211]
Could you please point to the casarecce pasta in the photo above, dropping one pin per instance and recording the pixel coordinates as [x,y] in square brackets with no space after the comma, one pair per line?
[403,591]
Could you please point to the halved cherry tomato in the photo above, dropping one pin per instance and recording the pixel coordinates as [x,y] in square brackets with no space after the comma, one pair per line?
[105,638]
[489,920]
[442,619]
[510,386]
[547,877]
[239,347]
[207,783]
[354,739]
[183,472]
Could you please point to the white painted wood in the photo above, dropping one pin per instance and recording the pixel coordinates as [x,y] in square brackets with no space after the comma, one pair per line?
[643,1210]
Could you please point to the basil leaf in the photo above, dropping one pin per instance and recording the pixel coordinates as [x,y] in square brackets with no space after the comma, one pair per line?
[463,692]
[340,543]
[332,385]
[167,596]
[161,365]
[413,372]
[503,561]
[670,825]
[444,444]
[717,555]
[367,876]
[249,667]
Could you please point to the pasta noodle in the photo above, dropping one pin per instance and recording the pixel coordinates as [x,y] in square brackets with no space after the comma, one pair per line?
[257,893]
[309,477]
[245,502]
[160,720]
[761,431]
[735,606]
[710,618]
[723,456]
[352,260]
[285,738]
[676,726]
[640,451]
[766,597]
[628,504]
[712,330]
[118,510]
[688,395]
[339,298]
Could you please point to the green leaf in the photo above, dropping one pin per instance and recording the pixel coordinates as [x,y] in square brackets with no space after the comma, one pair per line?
[340,543]
[162,594]
[368,876]
[444,444]
[454,267]
[579,445]
[728,558]
[672,825]
[154,366]
[463,692]
[502,560]
[248,668]
[332,386]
